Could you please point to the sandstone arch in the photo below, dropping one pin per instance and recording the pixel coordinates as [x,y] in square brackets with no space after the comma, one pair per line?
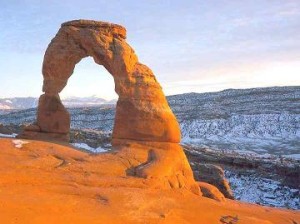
[146,133]
[142,111]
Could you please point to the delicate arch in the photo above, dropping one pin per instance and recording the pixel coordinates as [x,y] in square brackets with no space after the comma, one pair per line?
[142,111]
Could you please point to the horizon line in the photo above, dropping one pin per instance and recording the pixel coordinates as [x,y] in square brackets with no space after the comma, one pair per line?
[227,89]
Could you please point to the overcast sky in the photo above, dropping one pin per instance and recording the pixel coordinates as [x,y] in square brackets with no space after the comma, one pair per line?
[190,45]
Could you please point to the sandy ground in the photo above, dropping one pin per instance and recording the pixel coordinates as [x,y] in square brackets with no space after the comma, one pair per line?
[49,183]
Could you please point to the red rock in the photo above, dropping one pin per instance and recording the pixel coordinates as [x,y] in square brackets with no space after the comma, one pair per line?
[32,127]
[142,111]
[52,116]
[210,191]
[50,183]
[214,175]
[143,119]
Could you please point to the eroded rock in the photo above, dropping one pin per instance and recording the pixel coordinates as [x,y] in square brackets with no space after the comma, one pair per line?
[51,183]
[210,191]
[145,134]
[142,111]
[213,175]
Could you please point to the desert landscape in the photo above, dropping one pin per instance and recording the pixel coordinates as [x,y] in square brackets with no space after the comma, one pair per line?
[217,157]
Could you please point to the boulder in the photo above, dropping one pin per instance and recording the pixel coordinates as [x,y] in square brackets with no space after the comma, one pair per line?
[210,191]
[213,175]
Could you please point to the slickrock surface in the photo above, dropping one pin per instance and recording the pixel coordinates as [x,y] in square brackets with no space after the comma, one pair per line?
[142,111]
[48,183]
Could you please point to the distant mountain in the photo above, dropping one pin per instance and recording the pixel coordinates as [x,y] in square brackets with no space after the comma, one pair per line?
[18,103]
[21,103]
[91,101]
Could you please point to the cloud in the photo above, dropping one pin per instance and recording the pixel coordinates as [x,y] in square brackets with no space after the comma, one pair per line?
[260,75]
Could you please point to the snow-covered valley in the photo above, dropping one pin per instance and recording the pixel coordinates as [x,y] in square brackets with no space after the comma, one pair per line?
[253,188]
[262,121]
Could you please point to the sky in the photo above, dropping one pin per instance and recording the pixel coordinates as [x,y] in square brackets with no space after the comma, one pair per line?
[191,45]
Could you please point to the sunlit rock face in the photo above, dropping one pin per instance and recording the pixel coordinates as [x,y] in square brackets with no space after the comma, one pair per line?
[142,111]
[145,129]
[43,182]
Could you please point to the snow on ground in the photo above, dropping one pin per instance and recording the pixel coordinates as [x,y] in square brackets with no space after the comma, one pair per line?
[88,148]
[258,147]
[254,189]
[293,156]
[19,143]
[8,136]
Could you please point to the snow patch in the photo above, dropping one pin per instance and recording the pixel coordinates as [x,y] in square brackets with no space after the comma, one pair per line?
[293,156]
[88,148]
[19,143]
[254,189]
[8,136]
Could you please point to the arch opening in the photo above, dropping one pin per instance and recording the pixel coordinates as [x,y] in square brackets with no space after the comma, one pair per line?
[90,99]
[90,80]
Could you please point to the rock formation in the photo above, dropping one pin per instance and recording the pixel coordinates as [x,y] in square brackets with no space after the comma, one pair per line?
[142,111]
[43,182]
[211,191]
[145,132]
[213,175]
[104,188]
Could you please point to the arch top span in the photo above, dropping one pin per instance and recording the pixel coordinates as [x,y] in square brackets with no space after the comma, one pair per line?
[115,29]
[142,111]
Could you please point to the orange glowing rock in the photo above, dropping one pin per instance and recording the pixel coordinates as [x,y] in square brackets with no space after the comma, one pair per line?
[48,183]
[142,111]
[211,191]
[146,178]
